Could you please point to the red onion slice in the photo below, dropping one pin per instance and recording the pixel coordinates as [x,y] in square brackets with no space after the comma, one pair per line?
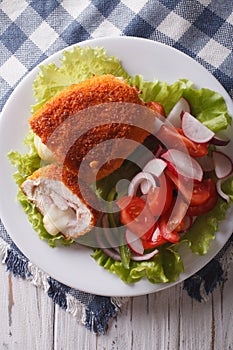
[144,257]
[138,180]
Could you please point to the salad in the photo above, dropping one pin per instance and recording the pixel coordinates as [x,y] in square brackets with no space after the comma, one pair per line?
[179,196]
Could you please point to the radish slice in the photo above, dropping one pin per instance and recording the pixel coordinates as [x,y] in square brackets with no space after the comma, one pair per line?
[134,242]
[139,179]
[144,257]
[184,164]
[219,142]
[206,162]
[222,164]
[155,167]
[195,130]
[174,117]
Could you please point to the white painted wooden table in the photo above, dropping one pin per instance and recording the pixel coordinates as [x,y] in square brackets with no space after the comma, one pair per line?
[167,320]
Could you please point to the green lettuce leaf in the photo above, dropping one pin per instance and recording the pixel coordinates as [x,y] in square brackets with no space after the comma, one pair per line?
[26,163]
[166,266]
[206,105]
[209,107]
[204,228]
[75,66]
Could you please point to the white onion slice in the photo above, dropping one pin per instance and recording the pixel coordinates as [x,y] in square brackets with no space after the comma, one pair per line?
[138,180]
[195,130]
[220,191]
[144,257]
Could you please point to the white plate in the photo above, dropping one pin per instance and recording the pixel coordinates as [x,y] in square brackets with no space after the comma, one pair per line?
[68,265]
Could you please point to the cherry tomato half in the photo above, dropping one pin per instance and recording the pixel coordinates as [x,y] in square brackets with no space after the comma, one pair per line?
[195,192]
[196,210]
[135,214]
[153,240]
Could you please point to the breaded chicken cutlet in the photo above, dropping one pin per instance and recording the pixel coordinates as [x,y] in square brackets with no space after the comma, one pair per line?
[84,125]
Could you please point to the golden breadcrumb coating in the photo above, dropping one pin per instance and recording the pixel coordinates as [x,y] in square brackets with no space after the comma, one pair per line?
[74,122]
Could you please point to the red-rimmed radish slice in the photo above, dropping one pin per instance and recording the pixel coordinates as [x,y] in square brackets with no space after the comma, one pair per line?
[144,257]
[155,167]
[206,162]
[141,177]
[219,141]
[222,194]
[134,242]
[174,117]
[222,164]
[184,164]
[195,130]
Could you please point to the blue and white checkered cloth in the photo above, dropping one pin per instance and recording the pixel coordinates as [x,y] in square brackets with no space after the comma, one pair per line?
[32,30]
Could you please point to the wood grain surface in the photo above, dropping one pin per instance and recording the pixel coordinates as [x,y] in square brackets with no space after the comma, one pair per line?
[167,320]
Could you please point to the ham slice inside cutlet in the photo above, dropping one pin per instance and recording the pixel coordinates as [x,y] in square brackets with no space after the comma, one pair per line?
[57,195]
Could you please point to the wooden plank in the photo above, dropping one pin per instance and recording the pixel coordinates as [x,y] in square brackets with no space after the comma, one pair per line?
[26,315]
[166,320]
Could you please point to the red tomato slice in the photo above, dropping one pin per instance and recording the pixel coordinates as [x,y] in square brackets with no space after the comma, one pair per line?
[173,221]
[159,199]
[157,240]
[196,210]
[171,236]
[157,107]
[174,138]
[201,193]
[200,190]
[135,214]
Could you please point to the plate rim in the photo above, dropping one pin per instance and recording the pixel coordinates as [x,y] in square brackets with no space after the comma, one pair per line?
[94,43]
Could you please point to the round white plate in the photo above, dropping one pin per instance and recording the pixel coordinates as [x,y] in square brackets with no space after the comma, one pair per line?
[69,265]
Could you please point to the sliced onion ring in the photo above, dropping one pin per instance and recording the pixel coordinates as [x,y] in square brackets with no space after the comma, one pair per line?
[138,180]
[222,194]
[144,257]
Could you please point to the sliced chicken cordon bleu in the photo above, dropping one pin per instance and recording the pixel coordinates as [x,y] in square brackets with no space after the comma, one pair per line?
[65,203]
